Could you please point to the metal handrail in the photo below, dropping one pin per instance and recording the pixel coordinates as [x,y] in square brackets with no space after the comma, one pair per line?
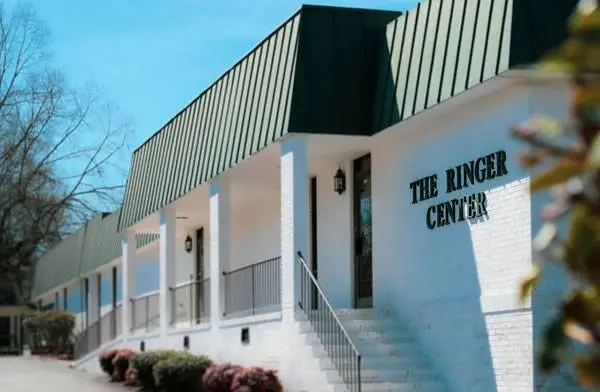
[147,319]
[148,294]
[253,288]
[196,309]
[332,312]
[252,265]
[320,291]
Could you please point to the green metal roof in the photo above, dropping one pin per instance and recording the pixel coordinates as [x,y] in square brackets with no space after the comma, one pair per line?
[311,75]
[102,243]
[96,244]
[59,265]
[444,47]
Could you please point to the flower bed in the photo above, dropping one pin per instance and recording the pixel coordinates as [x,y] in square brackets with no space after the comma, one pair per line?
[171,371]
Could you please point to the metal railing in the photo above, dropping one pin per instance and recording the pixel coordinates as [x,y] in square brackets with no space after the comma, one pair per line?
[190,301]
[100,332]
[325,323]
[145,312]
[253,289]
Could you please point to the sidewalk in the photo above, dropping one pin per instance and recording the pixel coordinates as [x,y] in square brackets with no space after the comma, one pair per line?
[33,374]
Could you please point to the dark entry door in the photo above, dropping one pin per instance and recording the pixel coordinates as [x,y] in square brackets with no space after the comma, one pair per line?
[363,257]
[5,335]
[199,274]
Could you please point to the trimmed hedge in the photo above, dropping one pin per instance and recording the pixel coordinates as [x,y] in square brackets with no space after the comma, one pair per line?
[181,372]
[131,378]
[106,361]
[256,379]
[121,363]
[177,371]
[218,377]
[51,332]
[143,364]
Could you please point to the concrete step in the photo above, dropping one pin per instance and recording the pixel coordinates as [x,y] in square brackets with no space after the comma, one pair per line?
[367,352]
[420,386]
[363,314]
[312,338]
[372,349]
[389,375]
[359,338]
[351,326]
[400,363]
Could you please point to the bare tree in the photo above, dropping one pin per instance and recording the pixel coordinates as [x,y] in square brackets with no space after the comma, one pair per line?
[59,147]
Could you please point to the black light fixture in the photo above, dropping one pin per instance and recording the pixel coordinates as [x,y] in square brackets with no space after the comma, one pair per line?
[339,181]
[188,244]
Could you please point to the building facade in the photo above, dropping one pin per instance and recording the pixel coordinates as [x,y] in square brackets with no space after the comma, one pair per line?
[344,205]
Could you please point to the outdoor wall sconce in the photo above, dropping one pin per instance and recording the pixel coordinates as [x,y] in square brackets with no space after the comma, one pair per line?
[339,182]
[245,338]
[142,346]
[186,343]
[188,244]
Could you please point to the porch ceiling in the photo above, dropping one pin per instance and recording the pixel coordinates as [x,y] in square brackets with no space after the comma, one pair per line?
[256,178]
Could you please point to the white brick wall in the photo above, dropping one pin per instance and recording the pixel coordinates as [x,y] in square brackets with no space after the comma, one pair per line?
[457,285]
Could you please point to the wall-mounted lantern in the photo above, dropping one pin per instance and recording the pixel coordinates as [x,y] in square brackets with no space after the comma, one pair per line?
[188,244]
[339,182]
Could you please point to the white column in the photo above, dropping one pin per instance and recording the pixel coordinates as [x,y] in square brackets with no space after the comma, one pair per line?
[93,299]
[128,245]
[219,247]
[166,268]
[294,219]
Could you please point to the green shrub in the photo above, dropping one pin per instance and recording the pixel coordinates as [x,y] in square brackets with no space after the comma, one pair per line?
[34,327]
[143,364]
[256,379]
[121,363]
[55,328]
[182,372]
[59,325]
[131,378]
[106,361]
[218,377]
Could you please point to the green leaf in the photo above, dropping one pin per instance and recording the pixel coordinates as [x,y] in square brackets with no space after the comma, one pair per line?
[545,124]
[554,335]
[583,245]
[548,362]
[563,170]
[528,284]
[594,154]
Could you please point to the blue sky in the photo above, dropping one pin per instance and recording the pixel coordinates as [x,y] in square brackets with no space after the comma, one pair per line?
[152,58]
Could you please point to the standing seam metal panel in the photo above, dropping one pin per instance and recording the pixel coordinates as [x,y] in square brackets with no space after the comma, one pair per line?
[447,46]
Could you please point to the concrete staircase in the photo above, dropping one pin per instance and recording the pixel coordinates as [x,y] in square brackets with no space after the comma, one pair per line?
[392,359]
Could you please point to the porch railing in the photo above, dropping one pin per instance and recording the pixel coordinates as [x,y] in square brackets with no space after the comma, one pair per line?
[253,289]
[145,312]
[102,331]
[190,302]
[325,323]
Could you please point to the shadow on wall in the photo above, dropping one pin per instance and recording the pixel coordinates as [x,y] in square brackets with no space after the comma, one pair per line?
[456,281]
[548,294]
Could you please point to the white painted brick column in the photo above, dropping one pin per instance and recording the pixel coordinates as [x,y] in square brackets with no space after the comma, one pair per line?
[219,247]
[93,305]
[128,246]
[294,219]
[166,260]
